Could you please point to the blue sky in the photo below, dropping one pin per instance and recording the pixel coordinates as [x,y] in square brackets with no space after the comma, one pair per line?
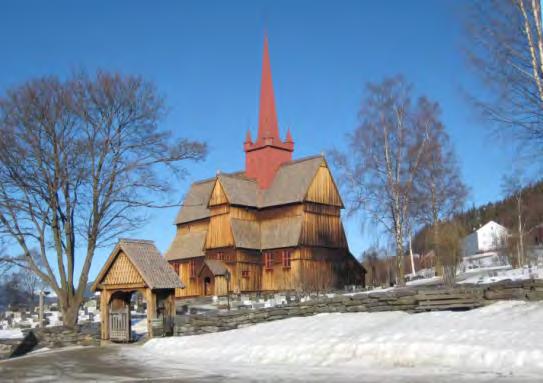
[205,57]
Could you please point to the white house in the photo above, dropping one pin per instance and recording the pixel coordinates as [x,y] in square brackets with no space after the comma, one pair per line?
[485,247]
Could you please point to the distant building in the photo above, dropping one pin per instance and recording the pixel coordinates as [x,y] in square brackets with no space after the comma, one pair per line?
[485,247]
[534,244]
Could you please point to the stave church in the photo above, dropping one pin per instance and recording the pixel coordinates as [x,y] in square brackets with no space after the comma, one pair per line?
[274,226]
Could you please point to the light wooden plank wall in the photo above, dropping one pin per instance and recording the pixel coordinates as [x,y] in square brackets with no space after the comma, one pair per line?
[220,232]
[279,278]
[218,195]
[195,226]
[122,271]
[280,212]
[323,189]
[318,208]
[193,286]
[243,213]
[322,230]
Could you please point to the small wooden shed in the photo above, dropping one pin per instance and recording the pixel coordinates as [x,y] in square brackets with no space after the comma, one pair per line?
[136,266]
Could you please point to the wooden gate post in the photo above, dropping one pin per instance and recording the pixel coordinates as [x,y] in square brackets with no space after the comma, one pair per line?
[151,311]
[104,313]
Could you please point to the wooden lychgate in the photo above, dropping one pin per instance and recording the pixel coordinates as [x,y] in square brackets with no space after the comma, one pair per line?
[136,266]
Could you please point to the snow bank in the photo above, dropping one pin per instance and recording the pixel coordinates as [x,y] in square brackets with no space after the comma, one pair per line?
[11,334]
[484,276]
[506,337]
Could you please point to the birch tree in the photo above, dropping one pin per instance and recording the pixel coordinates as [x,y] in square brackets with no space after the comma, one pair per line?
[505,47]
[383,159]
[513,187]
[440,190]
[80,160]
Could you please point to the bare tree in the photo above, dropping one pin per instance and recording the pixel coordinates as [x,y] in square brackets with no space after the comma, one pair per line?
[79,161]
[506,49]
[28,281]
[440,190]
[450,249]
[513,187]
[383,158]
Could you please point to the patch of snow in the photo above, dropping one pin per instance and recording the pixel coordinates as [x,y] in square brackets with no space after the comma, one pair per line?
[40,350]
[139,325]
[492,275]
[11,334]
[503,338]
[424,281]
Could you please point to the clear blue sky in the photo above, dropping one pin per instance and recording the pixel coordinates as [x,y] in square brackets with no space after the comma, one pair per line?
[205,57]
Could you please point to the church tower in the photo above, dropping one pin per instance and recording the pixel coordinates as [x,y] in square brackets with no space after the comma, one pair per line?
[264,156]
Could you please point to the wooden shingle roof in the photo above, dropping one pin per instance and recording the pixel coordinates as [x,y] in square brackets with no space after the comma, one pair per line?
[246,233]
[290,185]
[240,190]
[281,232]
[188,245]
[195,204]
[215,266]
[291,182]
[145,257]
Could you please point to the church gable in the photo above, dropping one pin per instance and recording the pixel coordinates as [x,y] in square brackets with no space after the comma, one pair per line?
[323,189]
[218,196]
[122,272]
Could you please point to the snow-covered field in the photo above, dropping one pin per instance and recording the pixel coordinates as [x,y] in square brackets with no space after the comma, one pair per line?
[483,276]
[11,334]
[504,339]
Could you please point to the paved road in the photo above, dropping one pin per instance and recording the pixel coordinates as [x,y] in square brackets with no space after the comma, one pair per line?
[100,364]
[123,363]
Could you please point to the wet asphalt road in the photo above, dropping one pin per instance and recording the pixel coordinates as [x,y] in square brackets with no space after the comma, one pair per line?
[125,363]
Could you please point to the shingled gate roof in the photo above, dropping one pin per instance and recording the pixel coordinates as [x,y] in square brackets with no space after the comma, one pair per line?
[153,268]
[187,246]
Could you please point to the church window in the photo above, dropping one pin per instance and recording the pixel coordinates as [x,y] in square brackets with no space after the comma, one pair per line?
[192,268]
[287,257]
[220,256]
[268,261]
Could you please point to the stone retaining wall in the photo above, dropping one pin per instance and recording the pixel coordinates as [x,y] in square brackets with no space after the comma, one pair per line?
[87,334]
[406,299]
[51,337]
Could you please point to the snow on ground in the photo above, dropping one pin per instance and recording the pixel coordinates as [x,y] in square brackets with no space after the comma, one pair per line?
[505,338]
[11,334]
[483,276]
[424,281]
[139,325]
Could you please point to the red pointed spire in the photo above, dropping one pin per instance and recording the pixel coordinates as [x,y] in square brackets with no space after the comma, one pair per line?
[264,156]
[268,130]
[248,139]
[288,139]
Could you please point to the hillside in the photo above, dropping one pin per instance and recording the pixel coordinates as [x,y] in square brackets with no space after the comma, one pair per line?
[503,212]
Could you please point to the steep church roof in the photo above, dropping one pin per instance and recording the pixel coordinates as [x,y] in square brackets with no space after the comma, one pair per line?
[186,246]
[290,185]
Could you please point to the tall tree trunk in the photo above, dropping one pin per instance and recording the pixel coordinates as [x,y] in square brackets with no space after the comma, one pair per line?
[413,271]
[520,231]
